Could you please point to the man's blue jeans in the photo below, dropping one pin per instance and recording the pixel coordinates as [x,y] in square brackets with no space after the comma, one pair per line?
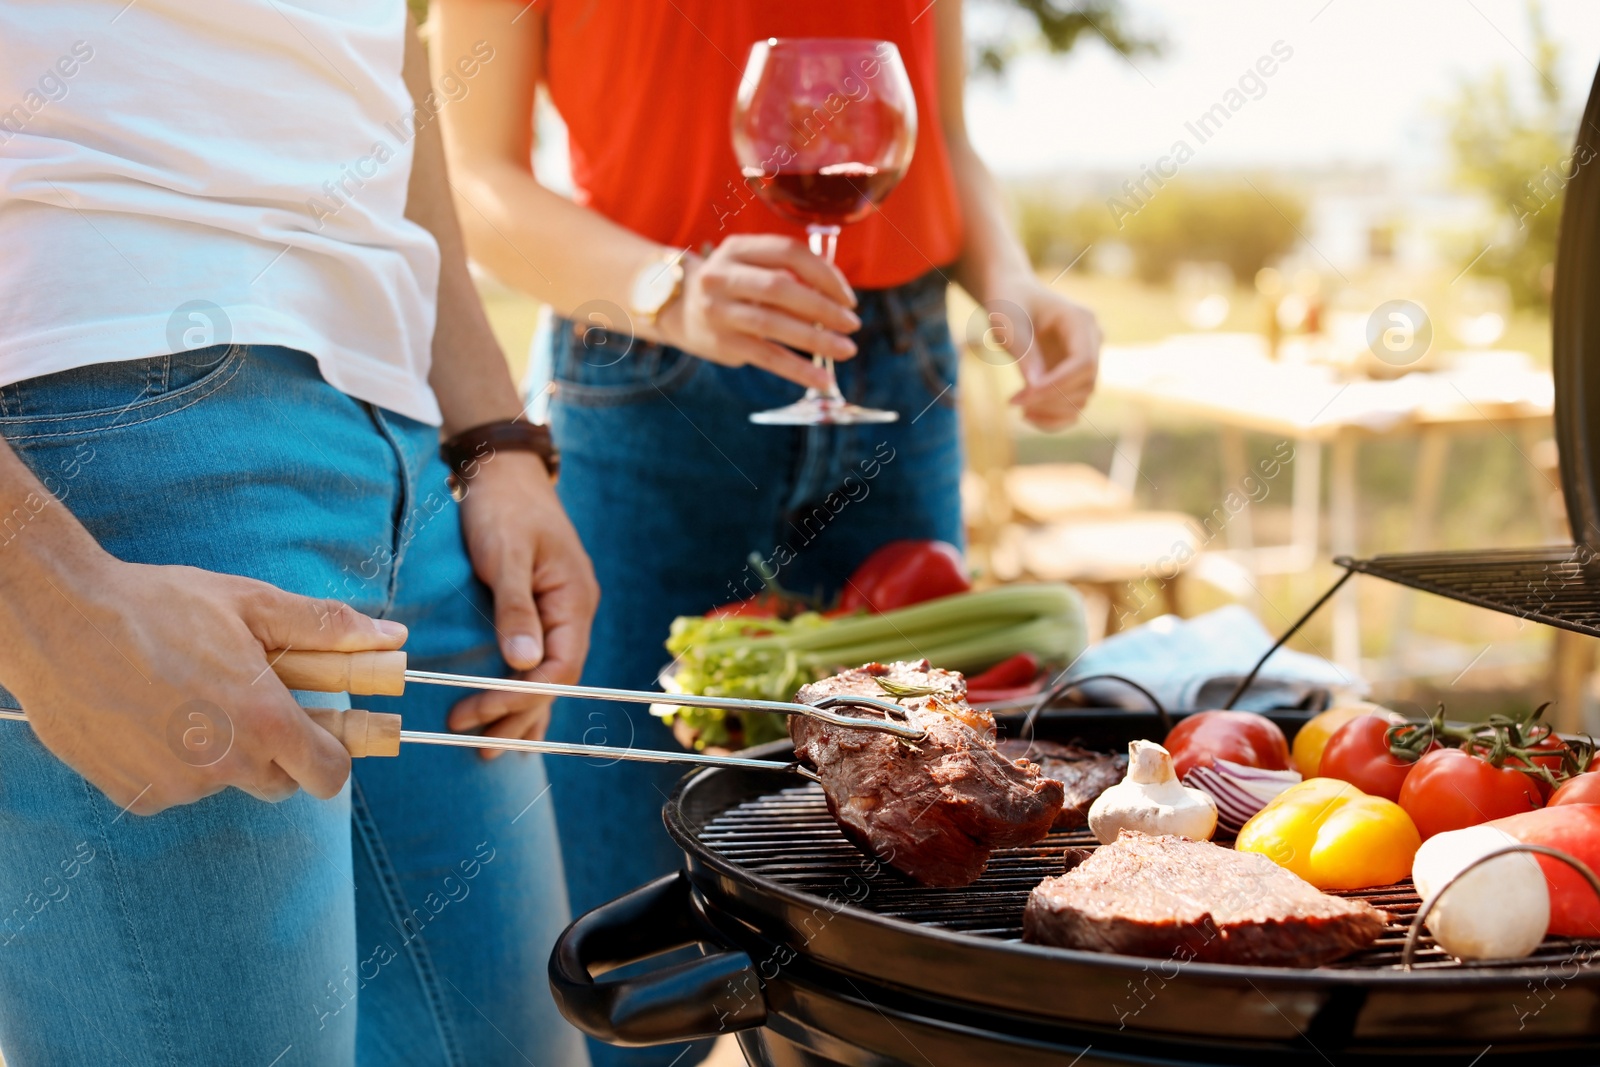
[672,489]
[407,921]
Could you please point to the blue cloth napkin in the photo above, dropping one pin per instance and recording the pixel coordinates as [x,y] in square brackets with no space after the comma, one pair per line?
[1192,664]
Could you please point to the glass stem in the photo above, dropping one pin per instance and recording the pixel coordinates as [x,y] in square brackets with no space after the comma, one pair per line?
[823,241]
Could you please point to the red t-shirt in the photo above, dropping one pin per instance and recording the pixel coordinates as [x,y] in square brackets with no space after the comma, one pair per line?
[646,88]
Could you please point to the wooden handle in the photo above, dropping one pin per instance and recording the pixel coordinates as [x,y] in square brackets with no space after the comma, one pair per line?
[362,673]
[363,733]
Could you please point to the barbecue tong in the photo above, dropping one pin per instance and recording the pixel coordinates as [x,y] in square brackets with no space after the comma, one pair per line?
[365,733]
[386,674]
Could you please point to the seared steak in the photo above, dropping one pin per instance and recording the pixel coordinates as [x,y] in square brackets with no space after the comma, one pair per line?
[935,809]
[1082,773]
[1192,900]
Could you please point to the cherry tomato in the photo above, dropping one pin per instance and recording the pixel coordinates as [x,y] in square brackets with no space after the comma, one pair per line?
[1240,736]
[902,573]
[1579,789]
[1450,788]
[1358,753]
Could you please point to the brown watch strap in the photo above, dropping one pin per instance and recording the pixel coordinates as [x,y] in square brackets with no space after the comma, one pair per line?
[469,448]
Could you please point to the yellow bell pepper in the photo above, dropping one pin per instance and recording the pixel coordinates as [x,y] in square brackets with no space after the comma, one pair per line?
[1333,835]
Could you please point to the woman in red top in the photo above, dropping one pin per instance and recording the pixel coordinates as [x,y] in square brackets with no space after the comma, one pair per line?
[682,503]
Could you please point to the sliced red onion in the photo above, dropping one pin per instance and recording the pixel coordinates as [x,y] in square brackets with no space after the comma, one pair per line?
[1239,790]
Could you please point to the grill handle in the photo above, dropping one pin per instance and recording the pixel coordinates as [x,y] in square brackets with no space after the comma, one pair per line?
[716,994]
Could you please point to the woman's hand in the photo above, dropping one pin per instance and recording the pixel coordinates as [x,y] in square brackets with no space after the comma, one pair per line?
[1057,347]
[754,295]
[526,551]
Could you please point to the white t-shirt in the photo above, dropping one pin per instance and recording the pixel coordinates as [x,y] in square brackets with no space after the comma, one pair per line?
[176,173]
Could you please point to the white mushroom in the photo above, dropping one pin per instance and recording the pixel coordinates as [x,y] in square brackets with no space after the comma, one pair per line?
[1497,910]
[1152,800]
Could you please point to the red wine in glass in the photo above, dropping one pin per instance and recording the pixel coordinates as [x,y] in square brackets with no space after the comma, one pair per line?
[824,129]
[833,195]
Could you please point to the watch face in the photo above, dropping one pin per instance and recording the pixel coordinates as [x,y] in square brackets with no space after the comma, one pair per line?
[654,285]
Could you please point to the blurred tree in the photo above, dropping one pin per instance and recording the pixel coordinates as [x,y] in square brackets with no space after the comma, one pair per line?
[1196,219]
[1521,156]
[998,30]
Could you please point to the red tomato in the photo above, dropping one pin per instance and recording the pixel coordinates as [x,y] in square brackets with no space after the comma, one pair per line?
[902,573]
[1450,788]
[1579,789]
[1575,830]
[1358,753]
[1240,736]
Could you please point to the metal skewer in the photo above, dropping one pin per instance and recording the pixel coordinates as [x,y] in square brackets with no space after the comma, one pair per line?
[386,674]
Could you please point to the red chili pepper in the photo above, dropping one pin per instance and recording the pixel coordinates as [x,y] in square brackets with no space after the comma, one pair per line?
[1451,788]
[902,573]
[1359,753]
[1007,674]
[1579,789]
[1574,829]
[1241,736]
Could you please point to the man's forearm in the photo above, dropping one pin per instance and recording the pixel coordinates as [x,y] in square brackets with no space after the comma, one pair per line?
[469,374]
[41,545]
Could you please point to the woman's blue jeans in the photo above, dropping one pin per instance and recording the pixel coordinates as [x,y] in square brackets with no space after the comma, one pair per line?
[407,921]
[672,489]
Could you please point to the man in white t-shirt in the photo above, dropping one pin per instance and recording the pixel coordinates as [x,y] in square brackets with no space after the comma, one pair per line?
[235,322]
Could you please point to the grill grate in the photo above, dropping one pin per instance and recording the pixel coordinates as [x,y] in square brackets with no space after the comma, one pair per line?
[789,838]
[1558,586]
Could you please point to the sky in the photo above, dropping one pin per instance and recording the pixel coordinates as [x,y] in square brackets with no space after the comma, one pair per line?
[1362,86]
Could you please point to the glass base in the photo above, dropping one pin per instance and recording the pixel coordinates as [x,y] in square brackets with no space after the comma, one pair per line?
[814,409]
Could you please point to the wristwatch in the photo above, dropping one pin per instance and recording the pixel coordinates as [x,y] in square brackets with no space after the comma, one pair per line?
[464,452]
[656,284]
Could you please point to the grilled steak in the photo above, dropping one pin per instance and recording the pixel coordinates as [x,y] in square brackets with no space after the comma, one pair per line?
[1082,773]
[1192,900]
[935,809]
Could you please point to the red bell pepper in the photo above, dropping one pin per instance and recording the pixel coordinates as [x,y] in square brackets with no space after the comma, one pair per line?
[902,573]
[1007,674]
[761,606]
[1574,829]
[1241,736]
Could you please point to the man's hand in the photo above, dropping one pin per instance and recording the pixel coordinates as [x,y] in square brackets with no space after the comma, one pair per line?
[756,294]
[153,684]
[1057,345]
[545,594]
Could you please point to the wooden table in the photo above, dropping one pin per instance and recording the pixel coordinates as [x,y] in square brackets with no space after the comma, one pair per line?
[1228,379]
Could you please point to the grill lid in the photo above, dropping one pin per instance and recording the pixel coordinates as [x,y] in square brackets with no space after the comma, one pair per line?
[1575,341]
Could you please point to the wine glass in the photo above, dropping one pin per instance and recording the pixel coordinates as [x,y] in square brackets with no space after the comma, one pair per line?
[823,129]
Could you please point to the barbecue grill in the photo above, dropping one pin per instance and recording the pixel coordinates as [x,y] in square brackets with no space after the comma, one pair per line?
[815,955]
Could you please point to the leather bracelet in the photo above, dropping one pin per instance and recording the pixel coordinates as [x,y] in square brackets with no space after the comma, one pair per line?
[464,452]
